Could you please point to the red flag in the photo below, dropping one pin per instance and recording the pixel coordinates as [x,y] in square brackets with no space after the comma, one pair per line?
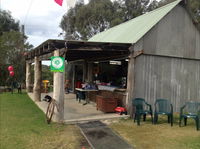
[59,2]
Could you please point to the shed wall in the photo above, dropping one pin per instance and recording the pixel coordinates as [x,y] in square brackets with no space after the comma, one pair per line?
[174,35]
[176,79]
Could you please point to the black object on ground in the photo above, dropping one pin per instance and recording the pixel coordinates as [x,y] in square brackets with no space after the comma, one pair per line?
[47,98]
[100,136]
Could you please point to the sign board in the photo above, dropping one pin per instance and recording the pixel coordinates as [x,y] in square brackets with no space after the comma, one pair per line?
[57,64]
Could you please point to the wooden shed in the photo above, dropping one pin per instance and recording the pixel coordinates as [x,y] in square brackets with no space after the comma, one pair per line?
[163,48]
[165,54]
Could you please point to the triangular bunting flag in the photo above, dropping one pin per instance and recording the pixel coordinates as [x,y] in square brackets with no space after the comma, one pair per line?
[59,2]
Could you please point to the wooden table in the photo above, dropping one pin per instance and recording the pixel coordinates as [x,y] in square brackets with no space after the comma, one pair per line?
[83,91]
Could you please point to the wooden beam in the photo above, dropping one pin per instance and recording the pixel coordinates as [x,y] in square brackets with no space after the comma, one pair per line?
[86,49]
[70,56]
[46,56]
[137,53]
[77,46]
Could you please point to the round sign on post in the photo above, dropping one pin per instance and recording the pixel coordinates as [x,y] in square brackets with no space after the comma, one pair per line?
[10,68]
[57,64]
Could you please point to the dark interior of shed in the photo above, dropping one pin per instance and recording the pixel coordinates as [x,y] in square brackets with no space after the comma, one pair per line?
[111,73]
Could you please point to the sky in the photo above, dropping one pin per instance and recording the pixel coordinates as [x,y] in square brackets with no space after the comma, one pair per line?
[40,17]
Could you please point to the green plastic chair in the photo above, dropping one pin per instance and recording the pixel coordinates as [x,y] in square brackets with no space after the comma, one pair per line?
[163,107]
[190,110]
[142,108]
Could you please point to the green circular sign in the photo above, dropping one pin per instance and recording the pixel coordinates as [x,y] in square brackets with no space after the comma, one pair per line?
[57,62]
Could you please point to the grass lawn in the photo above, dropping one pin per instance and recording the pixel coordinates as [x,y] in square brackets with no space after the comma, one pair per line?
[23,126]
[160,136]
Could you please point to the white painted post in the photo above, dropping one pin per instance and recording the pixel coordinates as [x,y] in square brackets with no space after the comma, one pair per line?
[58,93]
[37,79]
[28,77]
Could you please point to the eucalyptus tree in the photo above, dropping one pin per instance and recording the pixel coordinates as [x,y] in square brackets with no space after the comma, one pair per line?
[84,21]
[13,46]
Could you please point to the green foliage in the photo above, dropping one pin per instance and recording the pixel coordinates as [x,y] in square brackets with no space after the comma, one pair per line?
[7,22]
[12,49]
[133,8]
[11,44]
[47,74]
[84,21]
[12,52]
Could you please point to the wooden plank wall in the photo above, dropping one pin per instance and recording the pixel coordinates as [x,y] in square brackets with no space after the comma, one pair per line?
[170,66]
[166,77]
[174,35]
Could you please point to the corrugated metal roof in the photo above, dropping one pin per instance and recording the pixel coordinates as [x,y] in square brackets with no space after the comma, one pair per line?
[131,31]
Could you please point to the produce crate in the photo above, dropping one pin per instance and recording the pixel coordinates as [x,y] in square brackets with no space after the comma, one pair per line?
[106,104]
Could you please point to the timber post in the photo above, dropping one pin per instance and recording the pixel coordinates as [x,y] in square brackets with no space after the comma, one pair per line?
[130,81]
[37,79]
[58,93]
[85,71]
[28,77]
[90,72]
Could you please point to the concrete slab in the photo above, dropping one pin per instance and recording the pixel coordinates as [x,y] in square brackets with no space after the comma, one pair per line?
[75,112]
[100,136]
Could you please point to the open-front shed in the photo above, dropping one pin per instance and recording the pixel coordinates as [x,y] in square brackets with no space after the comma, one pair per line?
[82,53]
[163,51]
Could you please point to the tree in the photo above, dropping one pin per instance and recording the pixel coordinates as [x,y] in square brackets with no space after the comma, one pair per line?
[12,51]
[133,8]
[7,22]
[84,21]
[12,47]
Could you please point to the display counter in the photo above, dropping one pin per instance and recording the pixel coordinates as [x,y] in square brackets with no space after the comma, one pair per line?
[107,88]
[110,92]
